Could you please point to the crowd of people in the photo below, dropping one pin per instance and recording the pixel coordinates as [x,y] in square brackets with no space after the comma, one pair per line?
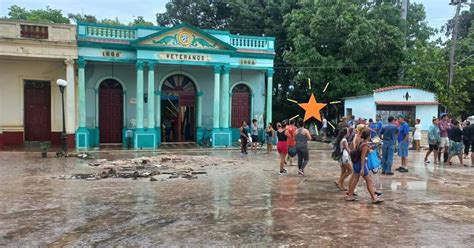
[357,139]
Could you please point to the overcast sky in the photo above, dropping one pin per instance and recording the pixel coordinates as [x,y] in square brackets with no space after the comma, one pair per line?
[438,11]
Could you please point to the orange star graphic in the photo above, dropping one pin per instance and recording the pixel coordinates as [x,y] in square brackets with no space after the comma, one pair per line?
[312,108]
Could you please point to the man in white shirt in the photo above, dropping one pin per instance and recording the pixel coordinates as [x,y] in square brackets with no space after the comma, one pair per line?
[324,128]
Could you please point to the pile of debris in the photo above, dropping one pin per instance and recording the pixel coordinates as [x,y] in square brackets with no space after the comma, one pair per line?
[164,167]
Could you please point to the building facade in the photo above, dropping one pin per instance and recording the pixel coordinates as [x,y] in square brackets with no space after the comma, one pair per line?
[32,57]
[149,85]
[394,100]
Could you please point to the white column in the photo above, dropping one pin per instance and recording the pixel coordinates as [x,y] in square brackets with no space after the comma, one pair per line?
[269,95]
[70,97]
[140,103]
[151,95]
[82,93]
[216,113]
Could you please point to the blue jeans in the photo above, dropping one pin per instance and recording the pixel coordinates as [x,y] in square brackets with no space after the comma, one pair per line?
[387,156]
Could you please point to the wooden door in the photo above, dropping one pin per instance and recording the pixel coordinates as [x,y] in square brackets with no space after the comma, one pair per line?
[37,113]
[110,111]
[240,105]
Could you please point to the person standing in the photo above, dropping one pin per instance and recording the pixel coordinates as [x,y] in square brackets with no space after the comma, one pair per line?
[341,125]
[346,166]
[373,129]
[324,129]
[456,145]
[254,135]
[291,141]
[379,124]
[443,132]
[433,141]
[471,138]
[403,136]
[417,134]
[389,136]
[269,136]
[352,122]
[301,137]
[466,139]
[282,145]
[244,137]
[360,168]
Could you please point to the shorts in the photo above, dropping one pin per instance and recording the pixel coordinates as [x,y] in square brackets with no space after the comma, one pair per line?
[291,151]
[472,145]
[456,148]
[357,168]
[345,158]
[269,139]
[444,142]
[433,147]
[282,147]
[254,138]
[403,149]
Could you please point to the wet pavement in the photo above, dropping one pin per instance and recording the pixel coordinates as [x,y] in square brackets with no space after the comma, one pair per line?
[245,203]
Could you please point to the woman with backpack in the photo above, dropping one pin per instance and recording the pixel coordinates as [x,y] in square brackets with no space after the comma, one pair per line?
[359,158]
[342,148]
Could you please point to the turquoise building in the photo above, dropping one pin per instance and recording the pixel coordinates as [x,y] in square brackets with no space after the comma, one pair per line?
[150,85]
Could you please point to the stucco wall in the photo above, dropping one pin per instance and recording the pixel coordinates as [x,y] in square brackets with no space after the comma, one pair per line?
[398,95]
[362,106]
[12,75]
[204,77]
[425,113]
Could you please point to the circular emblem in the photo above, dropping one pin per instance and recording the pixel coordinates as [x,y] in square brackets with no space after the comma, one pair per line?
[184,38]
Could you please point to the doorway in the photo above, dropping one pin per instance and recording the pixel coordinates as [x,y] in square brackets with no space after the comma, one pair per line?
[110,111]
[37,113]
[178,109]
[240,105]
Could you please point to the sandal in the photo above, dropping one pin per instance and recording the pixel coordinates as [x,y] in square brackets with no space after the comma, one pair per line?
[338,186]
[351,199]
[377,201]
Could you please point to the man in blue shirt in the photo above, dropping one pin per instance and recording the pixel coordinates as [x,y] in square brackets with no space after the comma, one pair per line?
[379,123]
[389,134]
[403,135]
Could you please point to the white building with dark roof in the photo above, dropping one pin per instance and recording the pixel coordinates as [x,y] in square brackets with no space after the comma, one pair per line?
[394,100]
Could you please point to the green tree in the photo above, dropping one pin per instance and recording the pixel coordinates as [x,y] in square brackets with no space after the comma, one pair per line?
[82,18]
[349,44]
[110,21]
[201,13]
[140,21]
[39,15]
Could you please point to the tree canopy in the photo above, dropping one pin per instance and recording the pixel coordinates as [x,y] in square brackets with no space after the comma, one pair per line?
[16,12]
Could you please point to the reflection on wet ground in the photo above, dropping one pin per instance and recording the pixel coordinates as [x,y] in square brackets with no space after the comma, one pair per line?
[239,204]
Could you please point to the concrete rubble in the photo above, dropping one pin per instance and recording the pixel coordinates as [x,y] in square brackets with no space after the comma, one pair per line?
[155,167]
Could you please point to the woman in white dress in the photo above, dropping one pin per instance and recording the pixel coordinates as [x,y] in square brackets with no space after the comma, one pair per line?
[417,134]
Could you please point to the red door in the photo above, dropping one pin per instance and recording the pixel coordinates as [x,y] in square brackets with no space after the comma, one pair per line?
[110,111]
[37,102]
[240,105]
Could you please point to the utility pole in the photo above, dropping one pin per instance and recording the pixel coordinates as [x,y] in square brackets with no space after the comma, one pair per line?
[403,16]
[452,52]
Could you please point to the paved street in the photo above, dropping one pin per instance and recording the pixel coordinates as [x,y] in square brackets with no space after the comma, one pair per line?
[234,204]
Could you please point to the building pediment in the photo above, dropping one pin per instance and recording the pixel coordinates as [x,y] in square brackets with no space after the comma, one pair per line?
[183,36]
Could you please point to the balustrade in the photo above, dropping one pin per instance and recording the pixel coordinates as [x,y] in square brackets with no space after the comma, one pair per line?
[248,42]
[111,33]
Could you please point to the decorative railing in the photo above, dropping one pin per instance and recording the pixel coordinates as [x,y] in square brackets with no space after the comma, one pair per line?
[250,42]
[111,32]
[33,31]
